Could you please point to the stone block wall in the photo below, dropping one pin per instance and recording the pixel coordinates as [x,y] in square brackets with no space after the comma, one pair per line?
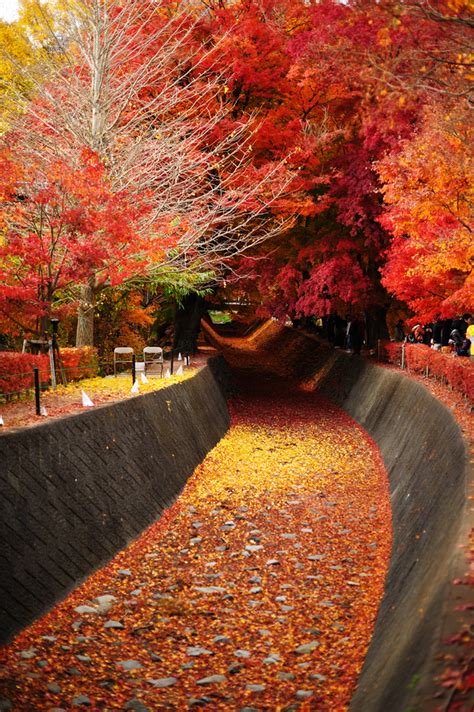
[75,491]
[427,462]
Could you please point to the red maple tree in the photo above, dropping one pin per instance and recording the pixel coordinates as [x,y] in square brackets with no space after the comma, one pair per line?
[61,226]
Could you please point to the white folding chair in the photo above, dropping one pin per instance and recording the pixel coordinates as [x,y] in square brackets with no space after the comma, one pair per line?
[153,355]
[122,354]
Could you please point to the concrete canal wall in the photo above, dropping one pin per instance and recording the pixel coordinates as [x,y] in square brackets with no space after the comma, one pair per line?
[76,490]
[428,466]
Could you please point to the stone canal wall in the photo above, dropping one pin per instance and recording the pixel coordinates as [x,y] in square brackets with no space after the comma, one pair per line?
[427,461]
[76,490]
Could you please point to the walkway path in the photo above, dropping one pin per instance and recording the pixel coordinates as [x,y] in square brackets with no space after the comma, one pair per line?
[257,590]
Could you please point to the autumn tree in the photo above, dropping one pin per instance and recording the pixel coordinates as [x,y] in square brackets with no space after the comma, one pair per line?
[263,138]
[427,177]
[60,222]
[133,83]
[351,84]
[429,192]
[16,54]
[317,106]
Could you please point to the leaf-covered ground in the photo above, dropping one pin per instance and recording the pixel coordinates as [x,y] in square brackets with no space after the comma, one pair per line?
[68,399]
[257,590]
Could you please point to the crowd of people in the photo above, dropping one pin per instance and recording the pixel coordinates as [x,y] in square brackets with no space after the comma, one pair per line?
[447,335]
[454,336]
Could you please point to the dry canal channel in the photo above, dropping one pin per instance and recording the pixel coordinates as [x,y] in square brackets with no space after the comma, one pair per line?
[257,590]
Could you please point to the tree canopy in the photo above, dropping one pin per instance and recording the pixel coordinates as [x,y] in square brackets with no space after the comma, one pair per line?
[315,155]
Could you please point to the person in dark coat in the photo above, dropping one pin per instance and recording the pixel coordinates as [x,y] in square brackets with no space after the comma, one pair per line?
[356,334]
[436,338]
[427,334]
[446,331]
[461,323]
[340,332]
[460,343]
[399,331]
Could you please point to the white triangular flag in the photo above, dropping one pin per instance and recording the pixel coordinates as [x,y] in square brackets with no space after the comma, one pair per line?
[86,401]
[167,373]
[43,411]
[135,388]
[1,421]
[180,358]
[180,371]
[144,378]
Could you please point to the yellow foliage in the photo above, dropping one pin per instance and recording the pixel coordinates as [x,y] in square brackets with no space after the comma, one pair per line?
[461,5]
[16,55]
[111,388]
[383,37]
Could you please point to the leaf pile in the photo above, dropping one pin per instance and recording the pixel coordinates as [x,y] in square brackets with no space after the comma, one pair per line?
[258,589]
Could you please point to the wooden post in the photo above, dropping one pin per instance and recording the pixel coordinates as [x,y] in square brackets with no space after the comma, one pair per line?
[52,364]
[37,390]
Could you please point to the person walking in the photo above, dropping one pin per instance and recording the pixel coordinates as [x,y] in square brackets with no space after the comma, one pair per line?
[356,334]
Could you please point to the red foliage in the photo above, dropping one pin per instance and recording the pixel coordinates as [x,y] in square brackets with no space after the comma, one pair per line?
[319,75]
[428,197]
[335,282]
[343,92]
[63,224]
[457,371]
[391,352]
[80,362]
[17,371]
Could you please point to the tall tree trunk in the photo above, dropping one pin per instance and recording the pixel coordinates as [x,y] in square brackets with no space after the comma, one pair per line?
[376,323]
[45,294]
[43,327]
[187,323]
[85,312]
[85,315]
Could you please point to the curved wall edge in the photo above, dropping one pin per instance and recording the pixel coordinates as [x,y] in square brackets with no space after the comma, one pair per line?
[427,461]
[76,490]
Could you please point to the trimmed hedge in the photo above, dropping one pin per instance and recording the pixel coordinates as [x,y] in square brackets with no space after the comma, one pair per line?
[16,369]
[82,362]
[457,371]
